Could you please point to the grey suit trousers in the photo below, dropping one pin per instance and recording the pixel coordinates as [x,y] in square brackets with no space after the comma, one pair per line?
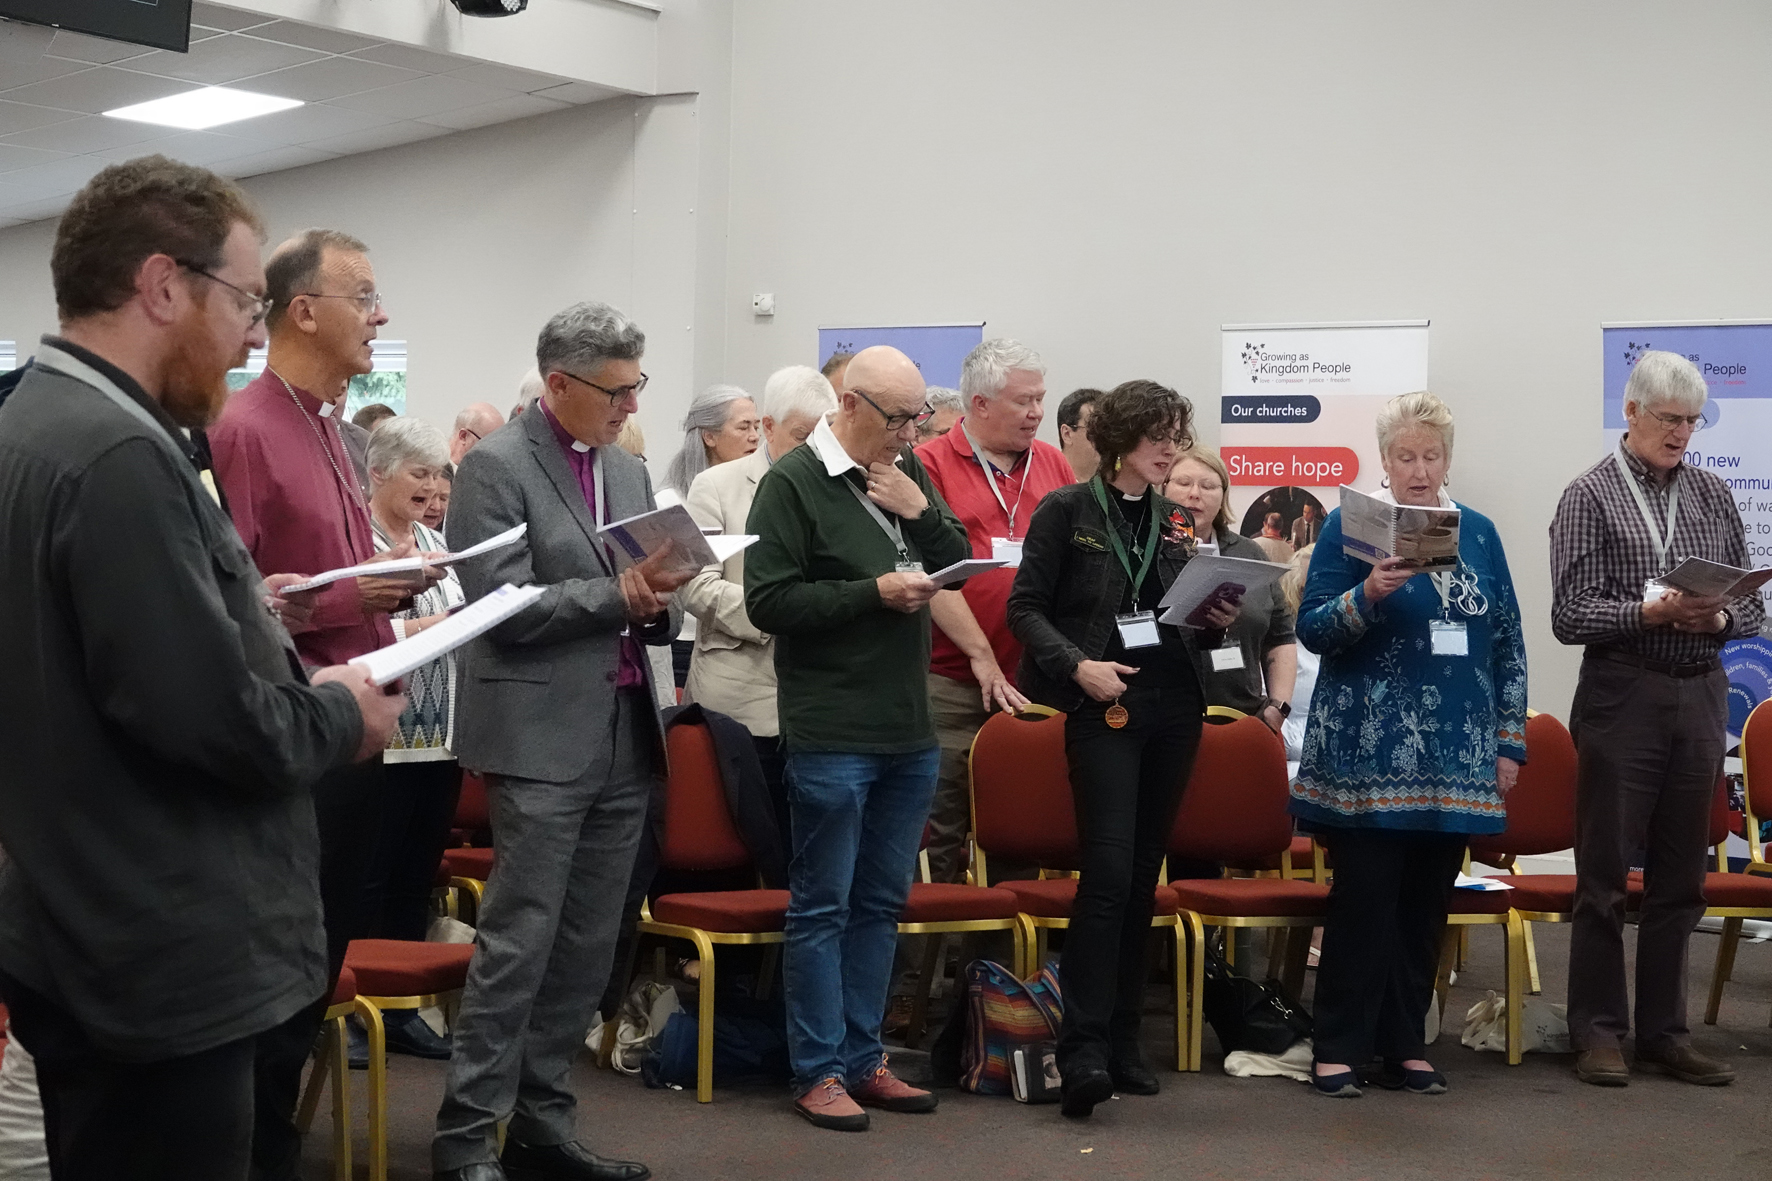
[1650,751]
[543,951]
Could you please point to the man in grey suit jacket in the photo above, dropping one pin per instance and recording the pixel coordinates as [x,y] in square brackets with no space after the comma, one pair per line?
[555,709]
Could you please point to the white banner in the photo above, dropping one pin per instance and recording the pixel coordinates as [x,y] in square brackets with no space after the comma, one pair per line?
[1296,413]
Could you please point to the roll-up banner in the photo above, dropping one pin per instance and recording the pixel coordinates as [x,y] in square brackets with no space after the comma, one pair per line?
[1296,414]
[1735,357]
[937,349]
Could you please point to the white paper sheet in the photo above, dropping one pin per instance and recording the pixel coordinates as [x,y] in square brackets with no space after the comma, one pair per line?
[1465,881]
[1205,574]
[389,664]
[960,571]
[409,565]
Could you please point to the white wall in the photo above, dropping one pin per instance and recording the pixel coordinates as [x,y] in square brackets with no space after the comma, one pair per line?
[1111,182]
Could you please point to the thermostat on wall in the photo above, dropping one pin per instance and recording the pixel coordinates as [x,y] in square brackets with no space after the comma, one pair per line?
[763,305]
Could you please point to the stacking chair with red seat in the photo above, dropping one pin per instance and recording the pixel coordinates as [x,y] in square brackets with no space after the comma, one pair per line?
[699,835]
[1756,779]
[1540,820]
[1234,810]
[468,868]
[398,974]
[1731,897]
[1022,810]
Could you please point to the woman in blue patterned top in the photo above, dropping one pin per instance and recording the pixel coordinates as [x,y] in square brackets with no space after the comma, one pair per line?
[1417,731]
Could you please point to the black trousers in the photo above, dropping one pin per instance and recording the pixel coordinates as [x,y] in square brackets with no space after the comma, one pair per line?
[347,807]
[1381,941]
[1126,785]
[418,810]
[180,1119]
[775,765]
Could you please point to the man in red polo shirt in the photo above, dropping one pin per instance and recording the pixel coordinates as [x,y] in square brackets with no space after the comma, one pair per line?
[992,472]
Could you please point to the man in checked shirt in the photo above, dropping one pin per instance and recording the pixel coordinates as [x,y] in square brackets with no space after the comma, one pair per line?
[1649,717]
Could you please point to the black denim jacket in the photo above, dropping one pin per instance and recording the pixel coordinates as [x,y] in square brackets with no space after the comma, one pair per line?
[1070,586]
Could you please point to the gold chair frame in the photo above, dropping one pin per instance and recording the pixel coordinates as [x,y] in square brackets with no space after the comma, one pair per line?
[370,1009]
[705,942]
[332,1061]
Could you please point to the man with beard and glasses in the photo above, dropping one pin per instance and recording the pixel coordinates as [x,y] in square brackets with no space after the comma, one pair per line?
[284,468]
[159,911]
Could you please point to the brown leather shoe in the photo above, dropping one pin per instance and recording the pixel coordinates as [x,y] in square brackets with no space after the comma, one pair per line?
[1602,1066]
[1687,1065]
[887,1091]
[828,1105]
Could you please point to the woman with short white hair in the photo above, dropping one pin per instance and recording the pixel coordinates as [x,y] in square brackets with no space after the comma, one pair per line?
[1417,731]
[407,458]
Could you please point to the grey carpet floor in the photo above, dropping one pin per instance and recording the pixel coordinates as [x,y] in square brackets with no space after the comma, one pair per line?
[1531,1121]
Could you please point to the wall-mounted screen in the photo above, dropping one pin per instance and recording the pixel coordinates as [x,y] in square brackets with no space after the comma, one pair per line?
[164,24]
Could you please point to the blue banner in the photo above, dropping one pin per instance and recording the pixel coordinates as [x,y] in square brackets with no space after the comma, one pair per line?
[937,349]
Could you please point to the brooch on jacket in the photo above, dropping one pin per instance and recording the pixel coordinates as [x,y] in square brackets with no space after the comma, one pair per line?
[1178,530]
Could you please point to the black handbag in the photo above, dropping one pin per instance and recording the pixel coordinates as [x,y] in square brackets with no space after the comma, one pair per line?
[1249,1016]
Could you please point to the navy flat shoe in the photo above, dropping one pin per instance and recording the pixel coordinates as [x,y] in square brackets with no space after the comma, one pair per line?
[1344,1084]
[1394,1076]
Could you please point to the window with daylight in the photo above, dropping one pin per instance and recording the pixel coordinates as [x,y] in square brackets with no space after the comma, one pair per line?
[385,383]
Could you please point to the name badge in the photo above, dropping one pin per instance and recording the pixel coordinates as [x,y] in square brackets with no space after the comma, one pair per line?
[1225,660]
[1449,639]
[1653,590]
[909,568]
[1138,630]
[1007,549]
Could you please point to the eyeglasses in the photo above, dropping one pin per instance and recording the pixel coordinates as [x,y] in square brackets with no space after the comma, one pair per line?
[897,422]
[367,303]
[470,430]
[618,394]
[1674,422]
[258,305]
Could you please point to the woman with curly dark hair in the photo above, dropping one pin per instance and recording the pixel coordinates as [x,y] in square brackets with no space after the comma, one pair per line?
[1097,559]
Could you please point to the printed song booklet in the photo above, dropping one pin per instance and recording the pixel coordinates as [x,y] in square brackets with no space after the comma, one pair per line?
[1374,530]
[635,538]
[1697,576]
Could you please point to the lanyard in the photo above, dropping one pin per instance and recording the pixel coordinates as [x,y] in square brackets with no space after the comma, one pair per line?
[1443,584]
[893,532]
[1098,486]
[1663,545]
[990,477]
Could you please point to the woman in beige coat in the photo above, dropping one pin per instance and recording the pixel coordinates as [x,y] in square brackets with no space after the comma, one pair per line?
[733,668]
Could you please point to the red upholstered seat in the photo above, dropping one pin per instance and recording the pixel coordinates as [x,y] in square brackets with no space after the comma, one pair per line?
[1738,890]
[941,902]
[1551,893]
[469,863]
[1251,897]
[1234,807]
[346,988]
[1480,901]
[1053,898]
[400,967]
[1021,791]
[731,911]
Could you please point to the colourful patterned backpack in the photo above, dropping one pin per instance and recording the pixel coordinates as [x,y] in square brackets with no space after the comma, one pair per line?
[1003,1013]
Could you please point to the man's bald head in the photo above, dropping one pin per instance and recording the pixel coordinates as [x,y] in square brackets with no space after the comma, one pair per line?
[471,425]
[877,408]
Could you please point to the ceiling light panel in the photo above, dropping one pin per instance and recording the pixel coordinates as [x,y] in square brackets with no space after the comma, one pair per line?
[210,106]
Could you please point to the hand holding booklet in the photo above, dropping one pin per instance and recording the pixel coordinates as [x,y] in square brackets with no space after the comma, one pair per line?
[1705,579]
[1210,579]
[966,568]
[410,565]
[637,538]
[387,665]
[1375,529]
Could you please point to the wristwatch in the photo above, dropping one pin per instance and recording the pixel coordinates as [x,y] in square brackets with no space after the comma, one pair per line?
[1285,707]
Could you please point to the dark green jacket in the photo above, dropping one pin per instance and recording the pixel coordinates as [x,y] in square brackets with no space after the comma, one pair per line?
[851,673]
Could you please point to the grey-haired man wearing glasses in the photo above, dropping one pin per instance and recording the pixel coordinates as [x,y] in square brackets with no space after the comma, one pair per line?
[1649,717]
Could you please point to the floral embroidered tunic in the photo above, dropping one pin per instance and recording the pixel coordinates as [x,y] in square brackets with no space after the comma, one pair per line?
[1399,737]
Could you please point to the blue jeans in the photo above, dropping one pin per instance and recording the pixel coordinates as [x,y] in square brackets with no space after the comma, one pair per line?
[857,823]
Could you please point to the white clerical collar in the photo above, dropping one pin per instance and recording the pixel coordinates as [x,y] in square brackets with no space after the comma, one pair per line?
[825,445]
[580,447]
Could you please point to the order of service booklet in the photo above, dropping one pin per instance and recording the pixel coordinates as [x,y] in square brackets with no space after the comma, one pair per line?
[636,537]
[1698,576]
[1373,530]
[1211,579]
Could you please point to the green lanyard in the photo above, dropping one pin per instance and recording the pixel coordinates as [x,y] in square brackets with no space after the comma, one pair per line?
[1098,486]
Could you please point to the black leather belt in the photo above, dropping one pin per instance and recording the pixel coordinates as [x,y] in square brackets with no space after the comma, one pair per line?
[1667,668]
